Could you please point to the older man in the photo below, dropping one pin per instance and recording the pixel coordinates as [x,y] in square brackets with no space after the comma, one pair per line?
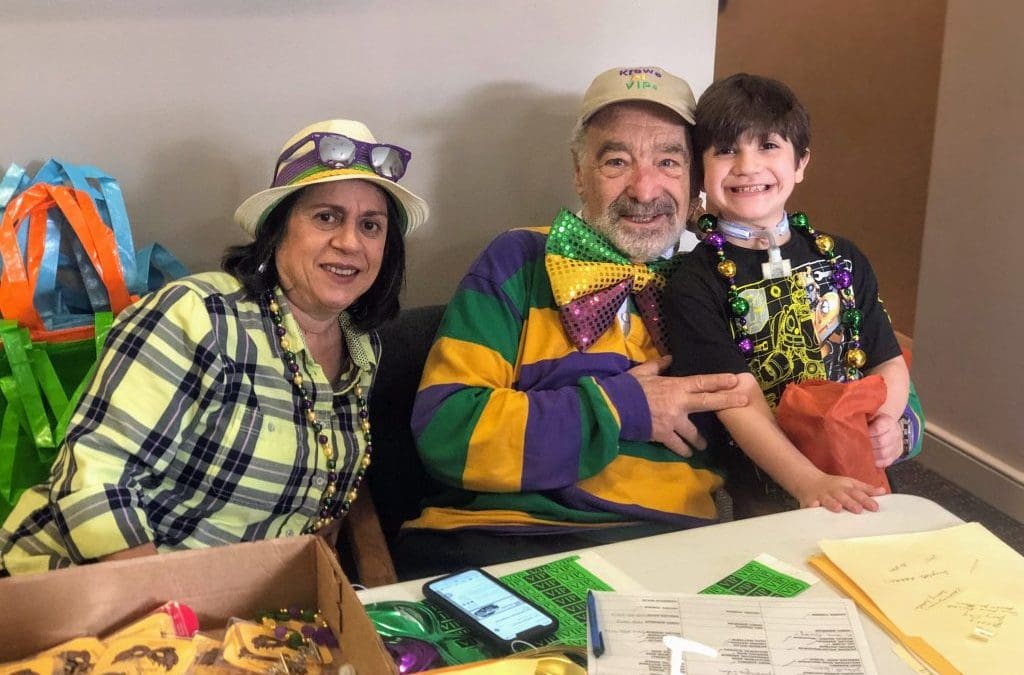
[542,403]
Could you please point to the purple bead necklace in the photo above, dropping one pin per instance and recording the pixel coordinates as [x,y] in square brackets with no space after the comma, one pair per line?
[312,627]
[738,307]
[331,507]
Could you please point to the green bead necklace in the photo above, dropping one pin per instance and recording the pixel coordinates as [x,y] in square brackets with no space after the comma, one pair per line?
[738,307]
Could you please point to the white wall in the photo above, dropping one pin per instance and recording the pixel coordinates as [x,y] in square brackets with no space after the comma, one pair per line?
[968,361]
[188,103]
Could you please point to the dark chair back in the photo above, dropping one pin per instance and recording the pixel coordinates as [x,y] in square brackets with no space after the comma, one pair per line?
[397,478]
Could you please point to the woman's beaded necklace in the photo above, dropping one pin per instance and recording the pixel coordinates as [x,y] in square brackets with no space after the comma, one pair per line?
[738,306]
[331,508]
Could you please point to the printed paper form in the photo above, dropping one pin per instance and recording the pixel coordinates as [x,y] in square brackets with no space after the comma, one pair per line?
[960,588]
[754,636]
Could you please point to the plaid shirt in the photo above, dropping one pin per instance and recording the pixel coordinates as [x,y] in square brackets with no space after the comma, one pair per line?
[189,435]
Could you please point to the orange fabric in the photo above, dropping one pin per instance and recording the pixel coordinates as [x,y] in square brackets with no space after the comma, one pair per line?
[828,423]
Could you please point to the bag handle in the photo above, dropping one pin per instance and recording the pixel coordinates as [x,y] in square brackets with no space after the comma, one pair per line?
[12,183]
[156,261]
[106,194]
[15,293]
[99,241]
[17,284]
[9,429]
[103,322]
[22,391]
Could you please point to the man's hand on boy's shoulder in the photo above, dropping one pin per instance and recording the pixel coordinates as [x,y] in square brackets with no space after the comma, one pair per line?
[672,400]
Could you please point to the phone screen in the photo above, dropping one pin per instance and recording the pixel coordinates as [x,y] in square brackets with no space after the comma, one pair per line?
[492,605]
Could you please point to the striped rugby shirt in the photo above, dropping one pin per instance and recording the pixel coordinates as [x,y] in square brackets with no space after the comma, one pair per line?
[189,435]
[529,433]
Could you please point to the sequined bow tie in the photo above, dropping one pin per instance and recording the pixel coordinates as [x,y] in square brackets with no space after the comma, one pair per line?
[591,279]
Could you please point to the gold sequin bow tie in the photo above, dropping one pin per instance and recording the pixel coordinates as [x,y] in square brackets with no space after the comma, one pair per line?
[591,279]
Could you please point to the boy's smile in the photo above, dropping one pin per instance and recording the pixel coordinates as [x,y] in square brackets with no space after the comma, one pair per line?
[750,181]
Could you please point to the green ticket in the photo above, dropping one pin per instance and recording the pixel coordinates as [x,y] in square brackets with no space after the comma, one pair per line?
[764,576]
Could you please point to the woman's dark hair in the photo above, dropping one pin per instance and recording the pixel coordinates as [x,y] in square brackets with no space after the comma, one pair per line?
[742,104]
[378,304]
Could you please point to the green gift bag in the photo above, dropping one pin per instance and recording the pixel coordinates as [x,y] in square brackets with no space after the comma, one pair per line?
[40,384]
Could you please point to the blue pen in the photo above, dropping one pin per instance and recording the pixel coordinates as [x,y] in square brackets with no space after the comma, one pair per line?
[596,638]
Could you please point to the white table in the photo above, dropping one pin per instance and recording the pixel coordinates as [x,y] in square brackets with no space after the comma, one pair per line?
[688,561]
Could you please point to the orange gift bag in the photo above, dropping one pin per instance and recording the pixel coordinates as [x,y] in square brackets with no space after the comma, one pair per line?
[828,423]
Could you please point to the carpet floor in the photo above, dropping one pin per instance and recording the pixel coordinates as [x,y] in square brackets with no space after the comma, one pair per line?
[915,479]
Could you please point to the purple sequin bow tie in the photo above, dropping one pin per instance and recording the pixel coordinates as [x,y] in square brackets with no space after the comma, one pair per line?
[590,280]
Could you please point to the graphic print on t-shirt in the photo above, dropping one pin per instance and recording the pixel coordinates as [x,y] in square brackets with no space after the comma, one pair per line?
[794,322]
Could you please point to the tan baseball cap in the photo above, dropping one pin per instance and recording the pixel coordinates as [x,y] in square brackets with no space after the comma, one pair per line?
[638,83]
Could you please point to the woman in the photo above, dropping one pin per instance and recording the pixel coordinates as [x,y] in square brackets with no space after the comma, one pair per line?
[231,406]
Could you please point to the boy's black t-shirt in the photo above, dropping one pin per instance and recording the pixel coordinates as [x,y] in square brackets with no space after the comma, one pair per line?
[793,321]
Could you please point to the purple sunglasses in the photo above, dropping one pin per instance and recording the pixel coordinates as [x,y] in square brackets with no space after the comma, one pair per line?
[337,151]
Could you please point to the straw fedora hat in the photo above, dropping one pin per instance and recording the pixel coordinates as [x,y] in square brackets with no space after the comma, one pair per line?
[302,167]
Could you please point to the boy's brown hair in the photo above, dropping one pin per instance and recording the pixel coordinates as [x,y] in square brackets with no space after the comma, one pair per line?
[742,104]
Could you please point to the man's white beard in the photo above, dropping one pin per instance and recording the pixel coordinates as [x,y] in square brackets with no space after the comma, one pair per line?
[642,244]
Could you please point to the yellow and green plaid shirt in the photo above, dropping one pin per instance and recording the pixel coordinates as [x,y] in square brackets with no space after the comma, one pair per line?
[189,435]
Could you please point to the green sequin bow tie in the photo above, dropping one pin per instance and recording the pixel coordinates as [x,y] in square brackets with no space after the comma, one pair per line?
[590,280]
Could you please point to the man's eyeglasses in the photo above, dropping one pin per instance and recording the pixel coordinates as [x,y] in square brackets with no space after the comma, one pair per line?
[341,152]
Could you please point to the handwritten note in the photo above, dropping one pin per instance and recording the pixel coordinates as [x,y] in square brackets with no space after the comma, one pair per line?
[753,635]
[961,589]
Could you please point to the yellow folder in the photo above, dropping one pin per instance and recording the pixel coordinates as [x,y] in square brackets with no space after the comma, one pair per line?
[914,645]
[953,596]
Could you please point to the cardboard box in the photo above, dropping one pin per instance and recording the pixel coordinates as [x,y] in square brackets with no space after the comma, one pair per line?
[42,610]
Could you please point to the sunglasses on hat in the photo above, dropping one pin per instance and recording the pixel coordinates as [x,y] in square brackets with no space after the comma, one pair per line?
[337,151]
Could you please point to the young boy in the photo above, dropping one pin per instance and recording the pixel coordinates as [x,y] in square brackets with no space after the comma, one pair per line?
[769,298]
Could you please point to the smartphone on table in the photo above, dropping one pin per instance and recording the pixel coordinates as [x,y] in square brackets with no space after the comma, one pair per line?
[490,609]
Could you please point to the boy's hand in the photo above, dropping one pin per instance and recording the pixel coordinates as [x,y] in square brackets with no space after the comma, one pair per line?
[836,493]
[886,439]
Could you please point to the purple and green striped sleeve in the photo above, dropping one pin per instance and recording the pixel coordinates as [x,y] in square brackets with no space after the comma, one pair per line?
[506,404]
